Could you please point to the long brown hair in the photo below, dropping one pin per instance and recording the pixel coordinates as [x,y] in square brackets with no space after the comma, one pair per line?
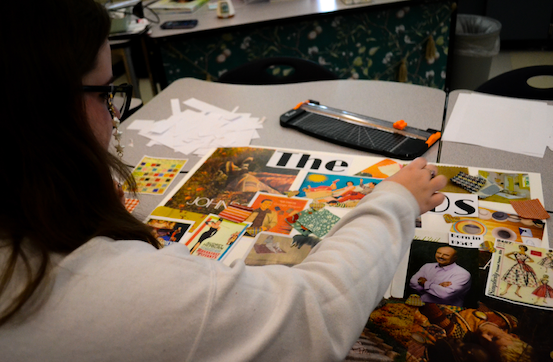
[58,190]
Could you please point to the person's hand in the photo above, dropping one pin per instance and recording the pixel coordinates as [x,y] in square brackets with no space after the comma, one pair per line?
[421,281]
[418,178]
[445,284]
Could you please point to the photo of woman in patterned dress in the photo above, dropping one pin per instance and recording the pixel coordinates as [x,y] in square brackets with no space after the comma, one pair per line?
[520,274]
[547,261]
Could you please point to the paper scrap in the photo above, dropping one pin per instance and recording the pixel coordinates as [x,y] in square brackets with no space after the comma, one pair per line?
[530,209]
[175,106]
[140,124]
[503,123]
[198,131]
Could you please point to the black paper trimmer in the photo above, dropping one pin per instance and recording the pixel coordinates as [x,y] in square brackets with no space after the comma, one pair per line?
[365,133]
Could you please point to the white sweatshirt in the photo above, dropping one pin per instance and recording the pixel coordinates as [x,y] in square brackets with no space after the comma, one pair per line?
[126,301]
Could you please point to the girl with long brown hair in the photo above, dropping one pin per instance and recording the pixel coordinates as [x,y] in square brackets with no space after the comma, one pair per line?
[82,279]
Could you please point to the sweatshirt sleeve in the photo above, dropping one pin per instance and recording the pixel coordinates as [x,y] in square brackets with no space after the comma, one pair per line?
[316,310]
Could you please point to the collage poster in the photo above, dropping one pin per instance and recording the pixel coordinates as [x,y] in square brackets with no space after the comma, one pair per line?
[494,302]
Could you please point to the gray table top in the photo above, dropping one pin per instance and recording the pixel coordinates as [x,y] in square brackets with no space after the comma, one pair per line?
[420,107]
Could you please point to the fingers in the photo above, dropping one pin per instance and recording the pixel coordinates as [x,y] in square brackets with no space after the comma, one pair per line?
[419,163]
[430,202]
[420,179]
[438,182]
[435,200]
[432,169]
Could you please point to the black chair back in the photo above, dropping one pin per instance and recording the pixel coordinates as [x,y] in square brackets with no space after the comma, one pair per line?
[515,83]
[260,71]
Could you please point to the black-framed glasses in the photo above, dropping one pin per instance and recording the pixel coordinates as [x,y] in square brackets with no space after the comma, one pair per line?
[117,96]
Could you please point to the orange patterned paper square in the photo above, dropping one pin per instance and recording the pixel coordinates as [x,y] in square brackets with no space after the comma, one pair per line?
[131,204]
[530,209]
